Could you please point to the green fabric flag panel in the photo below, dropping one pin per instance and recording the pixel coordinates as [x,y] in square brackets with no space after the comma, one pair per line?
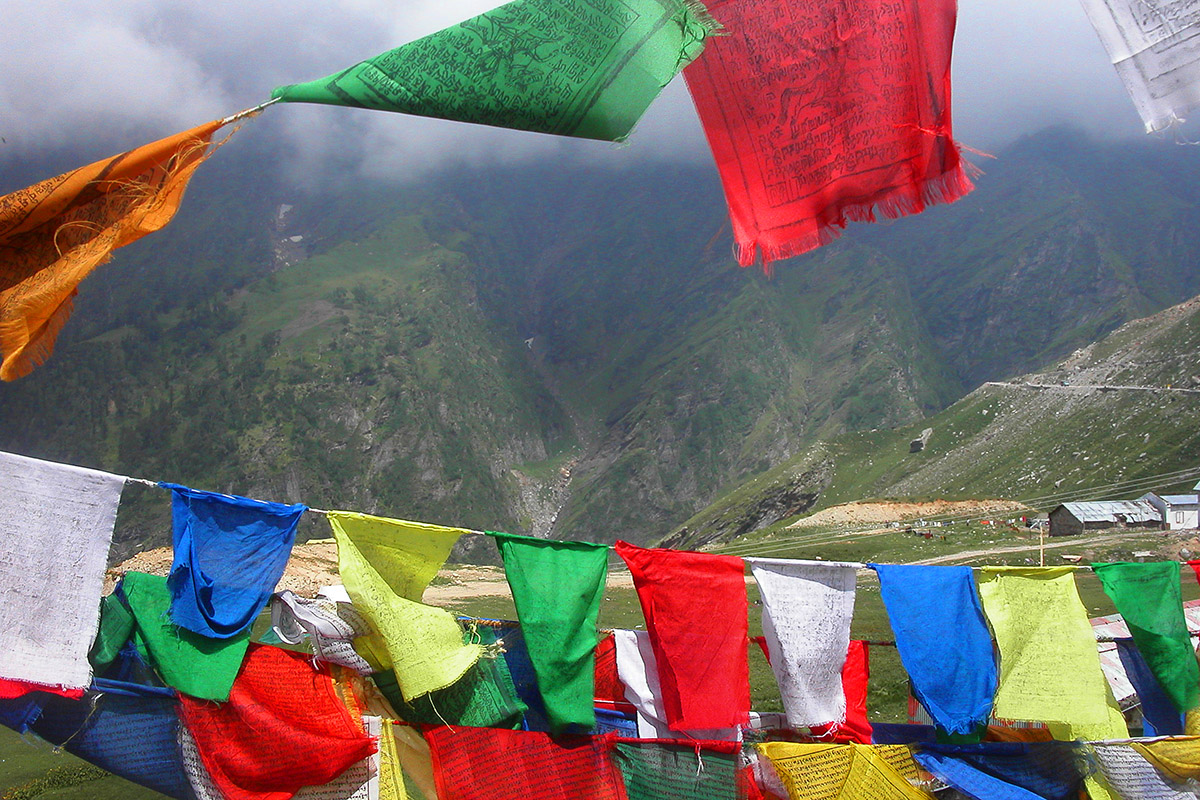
[586,68]
[1151,601]
[557,587]
[196,665]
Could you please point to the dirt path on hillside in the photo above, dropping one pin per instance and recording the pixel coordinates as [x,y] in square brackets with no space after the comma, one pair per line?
[882,513]
[1058,543]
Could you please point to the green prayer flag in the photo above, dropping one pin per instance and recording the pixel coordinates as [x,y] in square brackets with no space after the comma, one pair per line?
[654,771]
[116,626]
[196,665]
[557,588]
[586,68]
[483,698]
[1149,598]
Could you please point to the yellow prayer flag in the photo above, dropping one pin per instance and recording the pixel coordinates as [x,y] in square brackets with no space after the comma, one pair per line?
[54,233]
[386,565]
[845,771]
[1178,757]
[1049,666]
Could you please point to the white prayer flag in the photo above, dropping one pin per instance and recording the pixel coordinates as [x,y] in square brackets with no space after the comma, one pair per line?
[1155,46]
[807,606]
[56,526]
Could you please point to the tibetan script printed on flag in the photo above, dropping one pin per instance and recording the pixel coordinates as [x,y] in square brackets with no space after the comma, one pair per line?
[819,114]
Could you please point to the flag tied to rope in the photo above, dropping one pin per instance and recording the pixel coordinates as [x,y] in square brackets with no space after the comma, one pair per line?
[56,525]
[1008,770]
[54,233]
[386,565]
[587,69]
[1154,48]
[230,553]
[807,607]
[819,114]
[1132,777]
[697,617]
[1049,666]
[1150,600]
[845,771]
[557,586]
[927,607]
[283,728]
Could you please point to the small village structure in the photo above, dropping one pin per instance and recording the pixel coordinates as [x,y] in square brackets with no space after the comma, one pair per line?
[1179,511]
[1070,519]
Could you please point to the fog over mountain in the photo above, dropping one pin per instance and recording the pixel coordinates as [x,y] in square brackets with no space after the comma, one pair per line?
[95,78]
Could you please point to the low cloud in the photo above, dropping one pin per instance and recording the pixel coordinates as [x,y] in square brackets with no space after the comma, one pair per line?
[103,77]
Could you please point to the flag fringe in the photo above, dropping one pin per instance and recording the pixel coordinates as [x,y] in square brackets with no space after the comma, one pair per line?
[946,188]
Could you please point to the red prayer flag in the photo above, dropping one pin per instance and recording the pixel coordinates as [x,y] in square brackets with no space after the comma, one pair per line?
[283,728]
[856,672]
[819,114]
[12,689]
[1195,565]
[609,691]
[497,764]
[697,617]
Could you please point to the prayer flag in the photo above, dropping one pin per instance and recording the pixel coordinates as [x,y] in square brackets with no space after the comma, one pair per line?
[1049,666]
[386,565]
[330,627]
[1154,49]
[698,770]
[1008,770]
[283,728]
[819,114]
[56,525]
[492,764]
[196,665]
[807,606]
[1149,598]
[928,607]
[1132,777]
[1159,715]
[698,621]
[230,552]
[557,587]
[585,69]
[1178,757]
[845,771]
[54,233]
[638,670]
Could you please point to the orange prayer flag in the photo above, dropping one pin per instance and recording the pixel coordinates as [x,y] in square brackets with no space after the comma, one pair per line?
[54,233]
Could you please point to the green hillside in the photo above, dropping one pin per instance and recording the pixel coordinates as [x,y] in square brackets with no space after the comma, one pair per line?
[571,351]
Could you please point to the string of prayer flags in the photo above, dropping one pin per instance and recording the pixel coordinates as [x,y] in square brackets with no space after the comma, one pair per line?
[230,552]
[56,525]
[1153,48]
[807,606]
[196,665]
[587,70]
[283,728]
[845,771]
[927,607]
[1149,598]
[637,667]
[1132,777]
[856,673]
[1008,770]
[1159,715]
[1049,667]
[329,626]
[520,668]
[491,764]
[698,770]
[131,733]
[819,114]
[697,617]
[54,233]
[386,565]
[557,586]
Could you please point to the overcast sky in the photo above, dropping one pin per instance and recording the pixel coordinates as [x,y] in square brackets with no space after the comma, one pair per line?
[109,75]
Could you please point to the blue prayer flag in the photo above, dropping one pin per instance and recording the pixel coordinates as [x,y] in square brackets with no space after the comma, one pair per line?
[229,554]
